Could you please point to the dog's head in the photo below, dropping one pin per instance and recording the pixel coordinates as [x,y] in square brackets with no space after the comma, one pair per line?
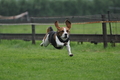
[63,32]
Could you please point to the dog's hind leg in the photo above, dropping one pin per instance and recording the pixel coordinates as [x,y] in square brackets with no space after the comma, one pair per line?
[45,41]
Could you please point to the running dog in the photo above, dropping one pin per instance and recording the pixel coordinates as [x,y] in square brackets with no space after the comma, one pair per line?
[60,38]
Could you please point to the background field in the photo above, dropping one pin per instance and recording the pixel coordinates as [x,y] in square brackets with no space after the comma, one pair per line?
[76,28]
[20,60]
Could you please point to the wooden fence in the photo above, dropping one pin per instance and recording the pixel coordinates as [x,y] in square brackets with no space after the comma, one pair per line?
[93,38]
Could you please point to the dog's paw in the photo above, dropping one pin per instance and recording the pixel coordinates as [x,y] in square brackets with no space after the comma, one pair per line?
[41,44]
[65,43]
[70,55]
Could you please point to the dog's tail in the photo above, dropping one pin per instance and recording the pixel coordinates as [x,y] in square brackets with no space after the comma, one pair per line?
[49,29]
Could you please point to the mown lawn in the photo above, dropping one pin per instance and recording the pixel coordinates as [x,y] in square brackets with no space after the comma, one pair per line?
[75,29]
[20,60]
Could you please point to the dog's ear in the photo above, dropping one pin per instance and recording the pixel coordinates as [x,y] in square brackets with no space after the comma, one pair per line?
[56,25]
[68,24]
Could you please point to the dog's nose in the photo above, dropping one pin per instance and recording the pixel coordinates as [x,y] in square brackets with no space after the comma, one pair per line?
[65,35]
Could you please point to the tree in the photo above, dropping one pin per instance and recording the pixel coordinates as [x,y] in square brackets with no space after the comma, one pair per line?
[57,7]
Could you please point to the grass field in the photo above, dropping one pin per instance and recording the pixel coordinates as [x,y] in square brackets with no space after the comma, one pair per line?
[76,28]
[20,60]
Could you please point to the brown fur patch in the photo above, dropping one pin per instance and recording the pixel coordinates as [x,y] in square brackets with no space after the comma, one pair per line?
[61,30]
[68,24]
[48,30]
[45,36]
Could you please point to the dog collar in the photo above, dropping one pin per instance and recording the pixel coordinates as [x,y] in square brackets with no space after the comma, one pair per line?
[63,40]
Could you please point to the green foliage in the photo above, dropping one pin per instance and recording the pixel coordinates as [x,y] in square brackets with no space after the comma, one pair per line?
[57,7]
[20,60]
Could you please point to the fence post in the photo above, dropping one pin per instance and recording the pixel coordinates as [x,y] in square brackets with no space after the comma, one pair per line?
[104,31]
[111,36]
[33,32]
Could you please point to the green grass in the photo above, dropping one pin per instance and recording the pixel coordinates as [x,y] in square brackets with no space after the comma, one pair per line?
[20,60]
[76,28]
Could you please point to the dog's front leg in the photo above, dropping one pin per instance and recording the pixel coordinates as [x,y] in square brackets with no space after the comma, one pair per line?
[69,49]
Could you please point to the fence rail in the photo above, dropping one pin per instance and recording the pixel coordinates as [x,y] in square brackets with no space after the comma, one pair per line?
[94,38]
[74,19]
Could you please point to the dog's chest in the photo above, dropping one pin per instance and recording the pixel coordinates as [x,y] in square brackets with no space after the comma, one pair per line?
[52,40]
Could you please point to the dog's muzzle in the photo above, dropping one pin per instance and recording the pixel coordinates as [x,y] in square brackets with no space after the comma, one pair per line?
[66,36]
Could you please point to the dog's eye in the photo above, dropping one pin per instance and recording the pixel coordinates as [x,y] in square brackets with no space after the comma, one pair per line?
[62,31]
[67,30]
